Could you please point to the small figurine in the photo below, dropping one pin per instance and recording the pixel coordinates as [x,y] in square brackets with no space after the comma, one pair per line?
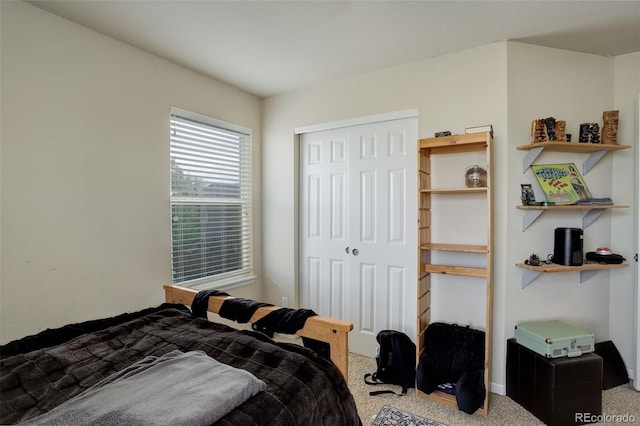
[610,127]
[595,132]
[537,131]
[585,131]
[550,124]
[560,130]
[527,196]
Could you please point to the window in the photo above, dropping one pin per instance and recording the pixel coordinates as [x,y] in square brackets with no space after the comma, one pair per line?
[211,243]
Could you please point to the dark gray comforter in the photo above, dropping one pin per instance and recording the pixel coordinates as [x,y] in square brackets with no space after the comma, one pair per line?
[302,388]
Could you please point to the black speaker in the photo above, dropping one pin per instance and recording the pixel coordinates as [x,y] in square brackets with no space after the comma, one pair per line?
[567,246]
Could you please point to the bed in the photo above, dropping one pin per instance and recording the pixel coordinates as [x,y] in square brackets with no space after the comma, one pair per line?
[44,374]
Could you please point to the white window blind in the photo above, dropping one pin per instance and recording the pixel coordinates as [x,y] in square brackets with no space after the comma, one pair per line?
[210,201]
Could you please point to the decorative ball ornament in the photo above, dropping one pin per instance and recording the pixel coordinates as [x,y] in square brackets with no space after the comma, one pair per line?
[475,177]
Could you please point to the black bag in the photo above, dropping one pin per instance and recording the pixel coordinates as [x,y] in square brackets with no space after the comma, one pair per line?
[604,258]
[396,362]
[454,354]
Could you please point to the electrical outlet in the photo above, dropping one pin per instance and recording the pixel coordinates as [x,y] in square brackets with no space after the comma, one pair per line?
[285,302]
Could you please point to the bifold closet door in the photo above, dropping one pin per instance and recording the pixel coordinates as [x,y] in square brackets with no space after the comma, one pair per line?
[358,227]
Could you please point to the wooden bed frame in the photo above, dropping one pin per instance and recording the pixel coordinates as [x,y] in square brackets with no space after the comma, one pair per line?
[332,331]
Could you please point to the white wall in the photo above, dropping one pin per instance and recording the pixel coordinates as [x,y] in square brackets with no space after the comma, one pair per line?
[85,170]
[451,92]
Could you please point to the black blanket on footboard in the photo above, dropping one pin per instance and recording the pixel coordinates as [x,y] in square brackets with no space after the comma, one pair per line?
[43,371]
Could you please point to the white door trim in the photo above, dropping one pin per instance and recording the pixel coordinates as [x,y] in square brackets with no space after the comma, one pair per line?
[387,116]
[636,373]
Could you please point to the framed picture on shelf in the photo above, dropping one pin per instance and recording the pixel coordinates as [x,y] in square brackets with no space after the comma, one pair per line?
[527,195]
[562,184]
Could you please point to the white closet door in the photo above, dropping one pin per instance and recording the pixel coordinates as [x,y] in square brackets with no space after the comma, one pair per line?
[324,224]
[358,236]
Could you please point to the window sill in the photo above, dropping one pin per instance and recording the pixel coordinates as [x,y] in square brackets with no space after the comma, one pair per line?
[223,284]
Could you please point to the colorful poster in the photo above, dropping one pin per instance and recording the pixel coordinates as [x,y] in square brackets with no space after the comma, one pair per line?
[561,183]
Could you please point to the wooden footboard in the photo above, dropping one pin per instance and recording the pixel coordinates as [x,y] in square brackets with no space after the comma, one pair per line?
[332,331]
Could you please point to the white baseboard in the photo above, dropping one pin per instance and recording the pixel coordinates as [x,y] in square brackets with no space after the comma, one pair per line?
[632,379]
[497,388]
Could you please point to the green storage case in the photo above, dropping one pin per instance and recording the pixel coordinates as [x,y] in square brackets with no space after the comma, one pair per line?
[554,339]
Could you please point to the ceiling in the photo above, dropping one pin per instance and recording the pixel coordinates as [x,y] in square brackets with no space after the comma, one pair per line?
[272,47]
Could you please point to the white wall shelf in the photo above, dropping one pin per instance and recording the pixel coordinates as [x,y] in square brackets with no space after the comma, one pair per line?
[591,212]
[586,270]
[596,151]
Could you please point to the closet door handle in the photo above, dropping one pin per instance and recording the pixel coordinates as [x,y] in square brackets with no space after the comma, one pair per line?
[346,250]
[355,252]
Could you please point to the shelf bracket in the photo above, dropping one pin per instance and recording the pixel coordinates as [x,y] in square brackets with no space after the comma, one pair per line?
[528,276]
[529,217]
[585,275]
[530,157]
[592,160]
[590,217]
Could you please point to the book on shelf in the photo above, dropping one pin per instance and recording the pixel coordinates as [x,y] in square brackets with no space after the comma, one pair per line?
[562,184]
[478,129]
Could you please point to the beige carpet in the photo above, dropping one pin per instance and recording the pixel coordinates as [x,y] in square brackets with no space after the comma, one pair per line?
[502,410]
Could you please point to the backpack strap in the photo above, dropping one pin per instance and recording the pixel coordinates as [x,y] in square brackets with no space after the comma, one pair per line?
[373,377]
[380,392]
[377,382]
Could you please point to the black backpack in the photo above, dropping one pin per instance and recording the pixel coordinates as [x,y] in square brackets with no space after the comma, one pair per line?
[396,362]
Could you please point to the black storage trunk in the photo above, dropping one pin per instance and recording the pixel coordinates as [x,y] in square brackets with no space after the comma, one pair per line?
[558,391]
